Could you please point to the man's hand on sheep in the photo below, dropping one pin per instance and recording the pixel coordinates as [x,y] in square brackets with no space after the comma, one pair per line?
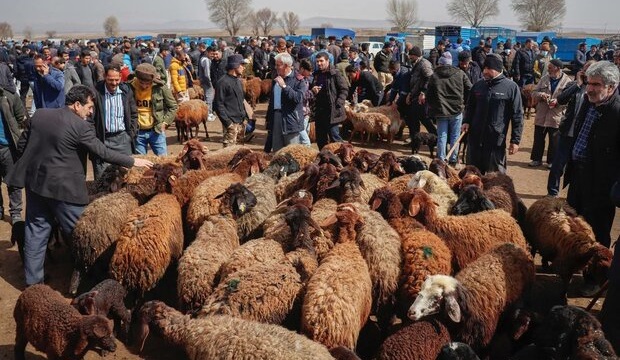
[142,163]
[464,128]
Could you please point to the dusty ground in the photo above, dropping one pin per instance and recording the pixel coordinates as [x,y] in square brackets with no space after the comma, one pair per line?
[530,184]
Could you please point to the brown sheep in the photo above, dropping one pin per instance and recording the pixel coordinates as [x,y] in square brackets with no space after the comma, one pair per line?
[468,237]
[191,156]
[189,115]
[369,123]
[303,154]
[46,320]
[561,236]
[529,100]
[252,90]
[339,294]
[387,167]
[149,241]
[475,299]
[421,340]
[265,88]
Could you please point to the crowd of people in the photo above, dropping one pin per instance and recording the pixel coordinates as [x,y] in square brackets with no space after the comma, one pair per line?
[109,101]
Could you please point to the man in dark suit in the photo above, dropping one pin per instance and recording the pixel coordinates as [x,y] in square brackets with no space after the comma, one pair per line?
[52,168]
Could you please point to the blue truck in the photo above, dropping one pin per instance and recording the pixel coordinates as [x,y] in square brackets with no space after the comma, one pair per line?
[324,33]
[453,32]
[568,46]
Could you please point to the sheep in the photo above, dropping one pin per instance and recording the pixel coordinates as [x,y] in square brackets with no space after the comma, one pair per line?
[438,189]
[364,160]
[412,163]
[46,320]
[471,200]
[303,154]
[149,241]
[424,253]
[421,340]
[252,89]
[497,195]
[468,237]
[446,172]
[387,167]
[304,180]
[457,351]
[108,295]
[561,236]
[199,265]
[368,123]
[95,234]
[253,252]
[204,201]
[339,295]
[265,88]
[573,333]
[476,297]
[328,157]
[345,152]
[392,113]
[191,156]
[189,115]
[427,139]
[221,158]
[355,187]
[530,101]
[225,337]
[400,184]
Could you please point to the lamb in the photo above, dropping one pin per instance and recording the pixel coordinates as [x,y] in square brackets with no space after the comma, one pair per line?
[339,294]
[369,123]
[468,237]
[191,156]
[427,139]
[149,241]
[252,90]
[221,336]
[392,113]
[478,295]
[561,236]
[95,234]
[421,340]
[387,167]
[457,351]
[355,187]
[574,334]
[189,115]
[424,253]
[303,154]
[204,202]
[108,295]
[471,200]
[364,160]
[438,189]
[412,163]
[46,320]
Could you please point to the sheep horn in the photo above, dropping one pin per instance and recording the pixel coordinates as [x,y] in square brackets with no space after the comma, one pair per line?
[315,226]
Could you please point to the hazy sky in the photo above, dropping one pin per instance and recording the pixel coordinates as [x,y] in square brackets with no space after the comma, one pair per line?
[19,13]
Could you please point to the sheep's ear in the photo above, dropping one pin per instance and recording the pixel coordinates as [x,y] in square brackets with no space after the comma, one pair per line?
[422,182]
[100,330]
[254,169]
[362,185]
[329,221]
[375,204]
[172,179]
[220,195]
[414,208]
[453,308]
[143,333]
[399,168]
[183,152]
[315,226]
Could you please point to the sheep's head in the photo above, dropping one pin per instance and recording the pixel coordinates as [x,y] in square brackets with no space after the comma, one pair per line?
[438,292]
[438,167]
[191,155]
[151,313]
[387,167]
[562,326]
[237,199]
[364,160]
[240,154]
[310,177]
[348,219]
[421,179]
[97,332]
[412,163]
[298,219]
[418,203]
[346,152]
[471,179]
[166,176]
[598,266]
[328,157]
[282,165]
[300,197]
[469,169]
[327,175]
[112,179]
[385,201]
[471,200]
[349,178]
[250,164]
[85,303]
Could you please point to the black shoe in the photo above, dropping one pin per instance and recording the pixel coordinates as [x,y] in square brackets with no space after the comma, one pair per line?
[248,137]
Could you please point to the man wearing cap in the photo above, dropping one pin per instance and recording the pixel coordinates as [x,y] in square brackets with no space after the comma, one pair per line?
[447,90]
[115,116]
[471,68]
[421,72]
[156,109]
[548,112]
[366,85]
[436,53]
[382,64]
[229,98]
[493,104]
[523,64]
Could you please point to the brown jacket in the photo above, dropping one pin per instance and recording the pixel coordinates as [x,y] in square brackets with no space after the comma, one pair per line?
[546,116]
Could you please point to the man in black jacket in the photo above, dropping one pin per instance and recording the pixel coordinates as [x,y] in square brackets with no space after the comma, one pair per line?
[330,91]
[523,64]
[85,70]
[12,116]
[229,99]
[381,64]
[493,104]
[365,83]
[594,163]
[471,68]
[115,116]
[52,168]
[285,114]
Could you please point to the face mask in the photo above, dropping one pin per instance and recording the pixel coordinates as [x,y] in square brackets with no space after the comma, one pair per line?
[544,53]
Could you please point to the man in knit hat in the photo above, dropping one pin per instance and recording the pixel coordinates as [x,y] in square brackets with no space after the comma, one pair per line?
[494,102]
[156,108]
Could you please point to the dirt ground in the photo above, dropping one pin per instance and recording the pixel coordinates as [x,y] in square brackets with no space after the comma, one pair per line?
[530,184]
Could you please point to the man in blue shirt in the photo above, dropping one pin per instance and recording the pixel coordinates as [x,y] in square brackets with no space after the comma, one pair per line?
[49,85]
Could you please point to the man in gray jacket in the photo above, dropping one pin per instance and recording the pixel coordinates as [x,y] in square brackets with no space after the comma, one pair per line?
[421,72]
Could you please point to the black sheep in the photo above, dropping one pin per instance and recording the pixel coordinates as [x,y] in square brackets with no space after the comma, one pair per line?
[471,200]
[420,139]
[457,351]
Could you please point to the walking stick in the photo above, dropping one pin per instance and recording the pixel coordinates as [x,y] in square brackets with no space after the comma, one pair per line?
[598,295]
[458,141]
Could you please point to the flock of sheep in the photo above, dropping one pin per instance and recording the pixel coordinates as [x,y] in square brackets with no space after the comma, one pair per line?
[320,255]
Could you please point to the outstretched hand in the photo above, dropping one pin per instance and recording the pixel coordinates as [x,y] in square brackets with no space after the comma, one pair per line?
[142,163]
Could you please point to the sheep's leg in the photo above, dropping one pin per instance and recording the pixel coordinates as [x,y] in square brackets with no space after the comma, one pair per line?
[352,134]
[430,150]
[19,351]
[74,284]
[204,123]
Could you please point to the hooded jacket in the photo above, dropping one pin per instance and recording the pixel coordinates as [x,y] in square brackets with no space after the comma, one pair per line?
[447,90]
[13,114]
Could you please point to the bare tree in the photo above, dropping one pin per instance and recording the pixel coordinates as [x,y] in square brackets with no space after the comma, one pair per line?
[6,32]
[474,12]
[111,26]
[27,33]
[50,33]
[267,19]
[402,13]
[327,25]
[539,15]
[254,24]
[289,22]
[229,14]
